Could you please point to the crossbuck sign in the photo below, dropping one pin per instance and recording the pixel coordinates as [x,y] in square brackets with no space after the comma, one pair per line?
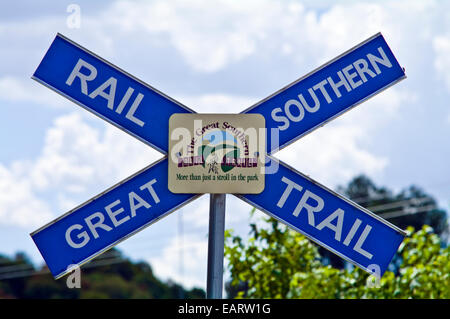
[327,218]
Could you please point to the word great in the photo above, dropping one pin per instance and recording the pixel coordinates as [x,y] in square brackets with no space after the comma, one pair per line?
[96,220]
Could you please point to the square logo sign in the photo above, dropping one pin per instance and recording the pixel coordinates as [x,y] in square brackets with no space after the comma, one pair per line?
[217,153]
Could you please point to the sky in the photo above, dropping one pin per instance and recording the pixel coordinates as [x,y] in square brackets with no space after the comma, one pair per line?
[213,56]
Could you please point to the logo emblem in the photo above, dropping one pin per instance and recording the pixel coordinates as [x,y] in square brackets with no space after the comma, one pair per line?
[216,153]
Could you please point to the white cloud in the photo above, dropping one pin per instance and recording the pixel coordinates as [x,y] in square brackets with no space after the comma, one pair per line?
[15,89]
[19,206]
[211,35]
[194,256]
[76,160]
[208,34]
[218,103]
[379,111]
[77,155]
[441,46]
[196,214]
[214,34]
[332,155]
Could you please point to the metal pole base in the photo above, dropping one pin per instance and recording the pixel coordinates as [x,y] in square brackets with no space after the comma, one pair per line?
[216,236]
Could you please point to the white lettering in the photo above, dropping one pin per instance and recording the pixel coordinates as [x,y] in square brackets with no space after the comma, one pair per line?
[112,214]
[278,118]
[133,108]
[321,87]
[84,78]
[83,235]
[373,281]
[113,210]
[149,187]
[303,203]
[309,208]
[98,224]
[339,214]
[348,79]
[132,196]
[310,109]
[342,82]
[360,242]
[287,110]
[124,100]
[352,232]
[73,21]
[350,76]
[111,83]
[374,60]
[290,186]
[74,279]
[106,90]
[362,68]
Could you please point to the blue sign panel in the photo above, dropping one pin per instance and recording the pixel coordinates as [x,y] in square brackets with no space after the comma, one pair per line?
[327,218]
[324,216]
[108,92]
[107,219]
[327,92]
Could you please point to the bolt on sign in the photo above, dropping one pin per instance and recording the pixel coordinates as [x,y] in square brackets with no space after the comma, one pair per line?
[217,153]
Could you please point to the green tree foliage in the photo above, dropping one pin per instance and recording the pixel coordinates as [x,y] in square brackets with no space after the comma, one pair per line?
[276,262]
[107,276]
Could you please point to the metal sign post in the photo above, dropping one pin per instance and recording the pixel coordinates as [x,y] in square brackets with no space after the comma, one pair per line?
[304,205]
[216,235]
